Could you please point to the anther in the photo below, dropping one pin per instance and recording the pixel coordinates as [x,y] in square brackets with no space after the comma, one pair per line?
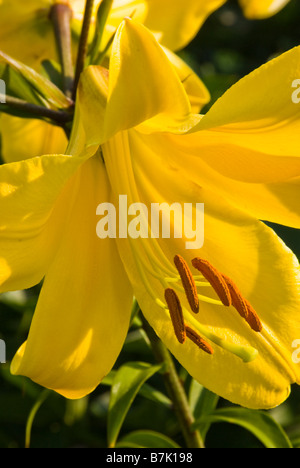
[176,314]
[253,319]
[200,342]
[237,299]
[243,306]
[215,278]
[188,283]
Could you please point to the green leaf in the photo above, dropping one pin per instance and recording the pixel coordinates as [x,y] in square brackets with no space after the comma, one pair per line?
[17,86]
[102,15]
[202,402]
[126,384]
[146,439]
[259,423]
[146,391]
[53,96]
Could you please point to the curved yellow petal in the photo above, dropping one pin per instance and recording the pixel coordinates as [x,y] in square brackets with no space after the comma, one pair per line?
[197,92]
[33,211]
[24,138]
[175,23]
[241,247]
[143,84]
[83,312]
[143,88]
[260,9]
[247,143]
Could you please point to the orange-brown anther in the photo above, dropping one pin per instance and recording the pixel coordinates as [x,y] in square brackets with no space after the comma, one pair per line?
[237,299]
[215,279]
[187,282]
[176,314]
[253,319]
[200,342]
[243,306]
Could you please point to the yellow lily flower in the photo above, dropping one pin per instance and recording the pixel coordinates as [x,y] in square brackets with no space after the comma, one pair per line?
[26,31]
[260,9]
[174,23]
[30,23]
[128,140]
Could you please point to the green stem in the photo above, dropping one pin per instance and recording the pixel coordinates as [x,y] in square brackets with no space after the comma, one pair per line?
[175,389]
[61,16]
[12,103]
[32,415]
[83,44]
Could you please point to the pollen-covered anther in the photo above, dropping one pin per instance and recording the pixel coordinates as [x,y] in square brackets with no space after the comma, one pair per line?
[253,319]
[200,342]
[188,283]
[237,299]
[176,314]
[243,306]
[215,278]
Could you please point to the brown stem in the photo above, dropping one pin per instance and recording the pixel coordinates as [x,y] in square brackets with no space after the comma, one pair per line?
[61,16]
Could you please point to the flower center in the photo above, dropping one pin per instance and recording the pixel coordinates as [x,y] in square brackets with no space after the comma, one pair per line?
[229,295]
[191,328]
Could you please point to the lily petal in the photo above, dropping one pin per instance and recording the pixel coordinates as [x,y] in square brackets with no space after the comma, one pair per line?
[197,92]
[175,23]
[135,54]
[83,312]
[247,143]
[260,9]
[241,247]
[25,139]
[33,210]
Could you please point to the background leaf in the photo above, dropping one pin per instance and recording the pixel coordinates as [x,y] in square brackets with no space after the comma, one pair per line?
[259,423]
[146,439]
[126,385]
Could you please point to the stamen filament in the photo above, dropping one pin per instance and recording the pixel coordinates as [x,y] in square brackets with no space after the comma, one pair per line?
[188,283]
[202,298]
[215,279]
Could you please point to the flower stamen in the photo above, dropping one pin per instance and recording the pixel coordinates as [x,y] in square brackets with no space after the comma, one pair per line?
[200,342]
[176,314]
[253,319]
[243,306]
[238,301]
[215,278]
[188,283]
